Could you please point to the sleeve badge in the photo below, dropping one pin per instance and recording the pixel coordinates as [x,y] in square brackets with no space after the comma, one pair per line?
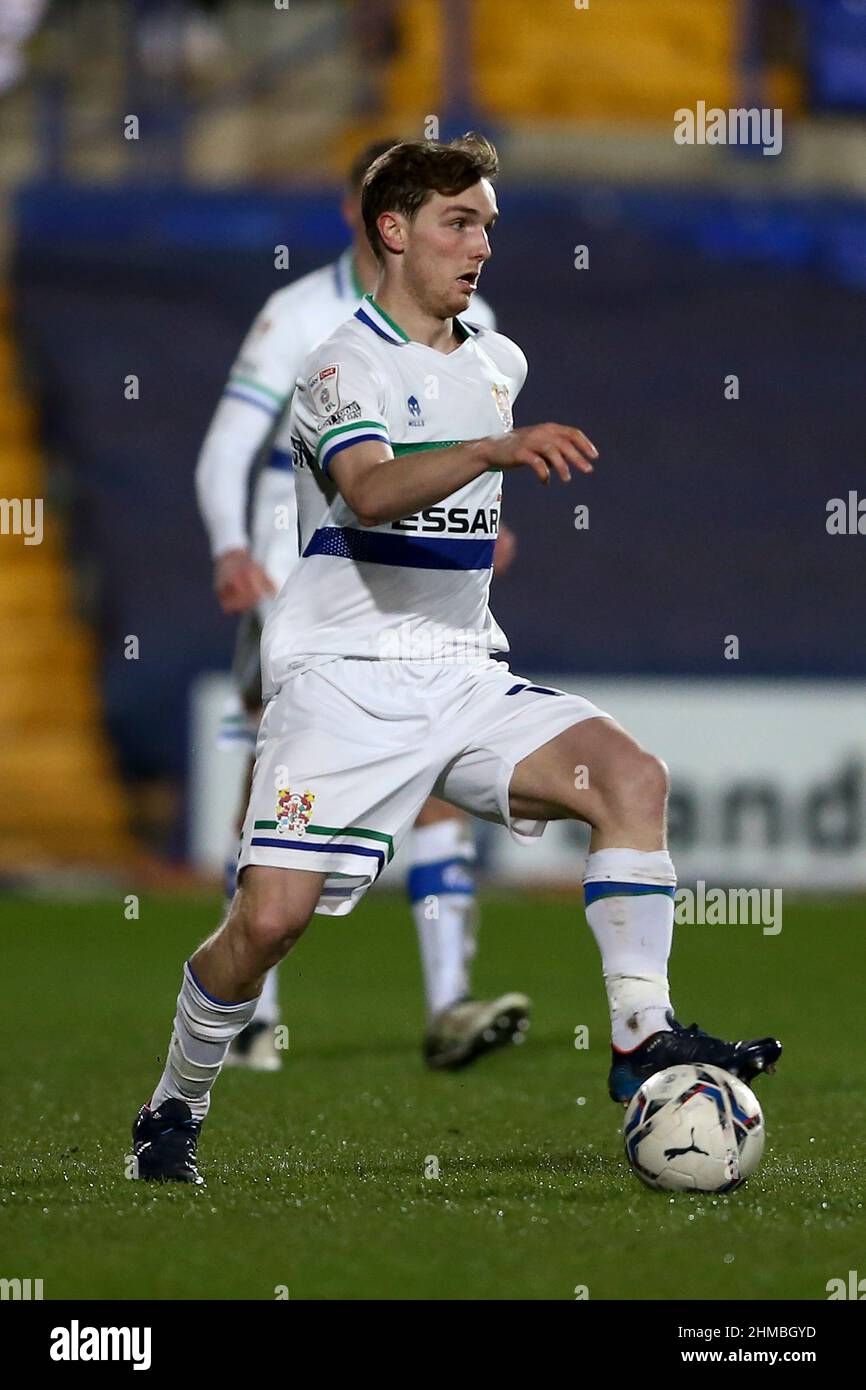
[503,406]
[324,389]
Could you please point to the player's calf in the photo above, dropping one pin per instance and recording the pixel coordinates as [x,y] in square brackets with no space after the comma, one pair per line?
[217,1000]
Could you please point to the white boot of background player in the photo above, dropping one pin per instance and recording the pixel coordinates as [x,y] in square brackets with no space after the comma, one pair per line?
[441,887]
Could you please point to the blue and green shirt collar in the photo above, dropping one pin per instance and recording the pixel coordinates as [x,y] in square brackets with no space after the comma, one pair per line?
[380,323]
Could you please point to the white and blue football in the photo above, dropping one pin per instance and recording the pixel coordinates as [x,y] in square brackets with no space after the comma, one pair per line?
[694,1128]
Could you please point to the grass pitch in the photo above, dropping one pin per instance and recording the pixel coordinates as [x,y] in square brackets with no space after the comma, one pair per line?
[316,1175]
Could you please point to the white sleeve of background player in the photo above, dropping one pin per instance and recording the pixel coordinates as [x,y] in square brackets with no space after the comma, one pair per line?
[259,387]
[340,402]
[274,522]
[480,312]
[264,371]
[236,434]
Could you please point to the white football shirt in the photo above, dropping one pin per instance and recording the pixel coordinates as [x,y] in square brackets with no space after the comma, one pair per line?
[256,399]
[416,588]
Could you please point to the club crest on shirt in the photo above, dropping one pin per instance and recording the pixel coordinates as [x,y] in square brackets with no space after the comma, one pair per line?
[293,811]
[503,405]
[414,407]
[324,388]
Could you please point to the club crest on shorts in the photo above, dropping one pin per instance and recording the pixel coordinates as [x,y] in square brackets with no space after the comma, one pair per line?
[293,811]
[503,405]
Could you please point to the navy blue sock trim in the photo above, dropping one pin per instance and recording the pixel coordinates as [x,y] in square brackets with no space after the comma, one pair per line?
[593,892]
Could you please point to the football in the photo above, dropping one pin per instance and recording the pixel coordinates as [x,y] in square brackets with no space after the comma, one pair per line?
[694,1129]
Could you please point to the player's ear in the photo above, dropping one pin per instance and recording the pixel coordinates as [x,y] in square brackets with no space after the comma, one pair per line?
[392,230]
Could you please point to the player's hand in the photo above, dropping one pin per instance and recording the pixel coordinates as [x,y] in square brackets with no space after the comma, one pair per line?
[503,553]
[544,448]
[240,581]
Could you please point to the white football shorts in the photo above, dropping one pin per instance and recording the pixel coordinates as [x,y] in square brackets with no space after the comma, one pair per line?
[348,752]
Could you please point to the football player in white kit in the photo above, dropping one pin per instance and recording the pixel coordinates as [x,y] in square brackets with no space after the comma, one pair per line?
[249,569]
[378,659]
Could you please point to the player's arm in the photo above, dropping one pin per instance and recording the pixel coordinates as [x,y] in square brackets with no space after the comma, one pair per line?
[380,488]
[259,385]
[237,432]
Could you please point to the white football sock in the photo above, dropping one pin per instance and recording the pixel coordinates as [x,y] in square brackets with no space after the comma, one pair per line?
[441,888]
[203,1029]
[268,1006]
[630,908]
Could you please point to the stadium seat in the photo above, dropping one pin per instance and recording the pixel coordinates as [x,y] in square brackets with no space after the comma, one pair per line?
[618,59]
[51,736]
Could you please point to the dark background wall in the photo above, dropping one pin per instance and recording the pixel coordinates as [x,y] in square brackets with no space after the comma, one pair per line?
[707,516]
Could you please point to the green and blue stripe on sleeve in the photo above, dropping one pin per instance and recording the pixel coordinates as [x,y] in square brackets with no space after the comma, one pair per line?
[341,437]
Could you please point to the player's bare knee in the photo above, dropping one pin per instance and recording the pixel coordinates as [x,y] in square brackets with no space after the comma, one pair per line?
[648,784]
[269,925]
[634,790]
[272,932]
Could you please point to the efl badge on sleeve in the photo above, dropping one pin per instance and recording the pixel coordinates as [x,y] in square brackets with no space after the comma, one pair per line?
[293,811]
[503,406]
[325,389]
